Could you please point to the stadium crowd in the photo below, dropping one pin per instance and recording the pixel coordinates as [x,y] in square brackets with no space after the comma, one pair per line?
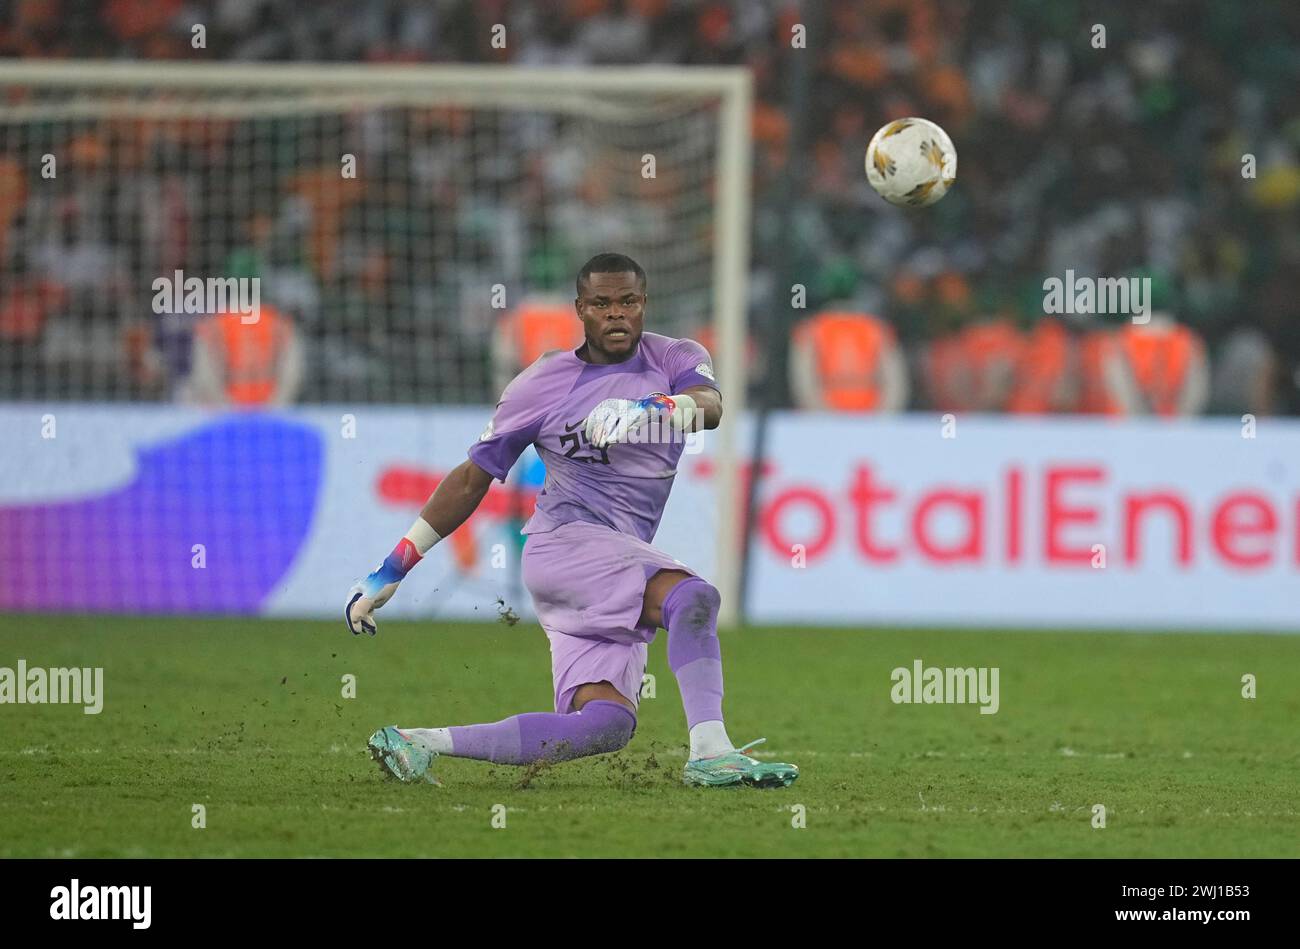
[1168,152]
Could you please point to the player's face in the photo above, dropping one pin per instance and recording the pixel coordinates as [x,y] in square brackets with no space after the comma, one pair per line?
[612,308]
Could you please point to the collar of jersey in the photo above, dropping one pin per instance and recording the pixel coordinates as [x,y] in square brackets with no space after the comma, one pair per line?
[635,364]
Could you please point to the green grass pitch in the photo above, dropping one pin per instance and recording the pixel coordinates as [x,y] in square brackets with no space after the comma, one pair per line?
[246,717]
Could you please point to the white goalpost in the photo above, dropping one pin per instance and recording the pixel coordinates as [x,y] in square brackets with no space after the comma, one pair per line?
[387,210]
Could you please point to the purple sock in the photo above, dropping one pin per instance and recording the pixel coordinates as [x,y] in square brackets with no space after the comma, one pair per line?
[598,727]
[690,613]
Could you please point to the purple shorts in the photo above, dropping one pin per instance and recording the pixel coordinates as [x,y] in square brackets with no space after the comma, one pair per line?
[588,586]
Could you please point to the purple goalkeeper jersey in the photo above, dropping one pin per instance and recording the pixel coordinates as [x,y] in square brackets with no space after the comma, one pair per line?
[623,486]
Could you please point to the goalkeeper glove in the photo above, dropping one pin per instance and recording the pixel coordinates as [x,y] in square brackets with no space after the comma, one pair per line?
[369,594]
[613,420]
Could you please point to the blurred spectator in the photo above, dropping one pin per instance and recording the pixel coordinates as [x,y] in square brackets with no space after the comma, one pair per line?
[246,364]
[145,366]
[25,306]
[1071,157]
[1245,375]
[1153,368]
[974,370]
[847,362]
[13,197]
[1047,375]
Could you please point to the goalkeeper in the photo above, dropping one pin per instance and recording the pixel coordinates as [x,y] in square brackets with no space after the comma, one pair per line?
[609,420]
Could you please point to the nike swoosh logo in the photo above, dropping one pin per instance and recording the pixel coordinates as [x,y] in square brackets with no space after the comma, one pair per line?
[569,428]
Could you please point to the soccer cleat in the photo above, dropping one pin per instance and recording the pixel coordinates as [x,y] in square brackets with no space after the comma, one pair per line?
[736,768]
[402,758]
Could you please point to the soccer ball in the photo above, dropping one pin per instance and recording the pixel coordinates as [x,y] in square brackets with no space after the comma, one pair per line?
[911,162]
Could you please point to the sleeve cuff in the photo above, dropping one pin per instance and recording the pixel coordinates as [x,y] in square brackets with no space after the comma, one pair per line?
[688,379]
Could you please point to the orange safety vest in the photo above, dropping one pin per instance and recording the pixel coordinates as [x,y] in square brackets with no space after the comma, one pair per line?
[249,353]
[958,363]
[1044,371]
[984,344]
[539,327]
[1094,398]
[847,350]
[1159,361]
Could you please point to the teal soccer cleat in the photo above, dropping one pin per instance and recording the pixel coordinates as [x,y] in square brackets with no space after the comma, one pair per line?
[402,758]
[736,768]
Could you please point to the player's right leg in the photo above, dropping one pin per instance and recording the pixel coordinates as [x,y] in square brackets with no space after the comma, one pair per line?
[597,681]
[601,721]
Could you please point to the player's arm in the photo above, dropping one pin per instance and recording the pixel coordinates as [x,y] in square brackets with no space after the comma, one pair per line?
[514,426]
[694,404]
[457,497]
[708,406]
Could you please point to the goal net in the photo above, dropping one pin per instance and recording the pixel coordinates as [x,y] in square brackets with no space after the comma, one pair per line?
[389,218]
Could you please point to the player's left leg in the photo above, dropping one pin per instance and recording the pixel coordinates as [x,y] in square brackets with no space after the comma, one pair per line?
[687,606]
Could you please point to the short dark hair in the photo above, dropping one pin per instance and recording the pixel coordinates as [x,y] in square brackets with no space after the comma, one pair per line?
[610,263]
